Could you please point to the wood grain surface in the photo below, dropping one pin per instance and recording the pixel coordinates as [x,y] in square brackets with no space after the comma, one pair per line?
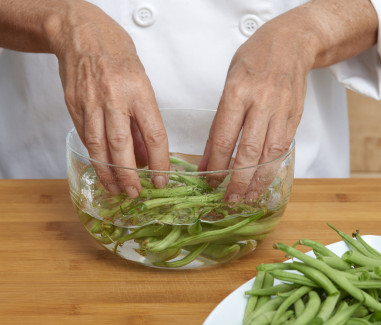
[365,135]
[52,272]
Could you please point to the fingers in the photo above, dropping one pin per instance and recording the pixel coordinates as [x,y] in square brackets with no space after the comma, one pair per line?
[156,141]
[140,150]
[94,138]
[120,145]
[249,153]
[223,137]
[276,144]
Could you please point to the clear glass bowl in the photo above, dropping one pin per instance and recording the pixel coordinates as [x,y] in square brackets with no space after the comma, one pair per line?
[188,224]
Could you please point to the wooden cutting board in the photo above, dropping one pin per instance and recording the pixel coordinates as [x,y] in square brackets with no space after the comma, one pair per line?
[52,272]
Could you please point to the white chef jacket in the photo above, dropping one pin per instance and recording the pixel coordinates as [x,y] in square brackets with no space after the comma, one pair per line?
[186,47]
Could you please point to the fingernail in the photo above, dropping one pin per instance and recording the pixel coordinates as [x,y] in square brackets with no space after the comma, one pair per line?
[234,198]
[252,195]
[214,183]
[132,192]
[113,188]
[159,181]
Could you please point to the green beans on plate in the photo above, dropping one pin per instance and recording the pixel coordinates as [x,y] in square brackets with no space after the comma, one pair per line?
[328,289]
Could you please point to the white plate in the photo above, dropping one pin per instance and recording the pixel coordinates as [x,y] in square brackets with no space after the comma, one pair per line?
[231,309]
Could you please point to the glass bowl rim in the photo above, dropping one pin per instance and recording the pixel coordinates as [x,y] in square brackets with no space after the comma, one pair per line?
[74,131]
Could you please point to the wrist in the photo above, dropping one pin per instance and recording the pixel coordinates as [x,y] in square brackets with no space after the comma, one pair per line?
[337,30]
[62,27]
[84,29]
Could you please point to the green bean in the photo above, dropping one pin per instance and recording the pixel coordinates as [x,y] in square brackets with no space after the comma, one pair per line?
[252,301]
[246,247]
[235,239]
[256,228]
[361,312]
[342,315]
[335,262]
[357,321]
[290,321]
[327,307]
[185,261]
[196,200]
[263,319]
[95,226]
[273,266]
[288,293]
[195,228]
[220,253]
[153,230]
[342,306]
[283,287]
[289,301]
[191,180]
[169,192]
[146,183]
[312,307]
[316,277]
[299,307]
[356,258]
[267,283]
[369,248]
[377,271]
[366,284]
[292,277]
[334,275]
[214,234]
[108,212]
[282,319]
[163,256]
[166,242]
[352,242]
[360,269]
[375,317]
[269,306]
[318,247]
[189,167]
[108,237]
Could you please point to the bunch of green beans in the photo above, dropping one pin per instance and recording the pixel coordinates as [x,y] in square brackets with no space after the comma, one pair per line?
[175,225]
[328,289]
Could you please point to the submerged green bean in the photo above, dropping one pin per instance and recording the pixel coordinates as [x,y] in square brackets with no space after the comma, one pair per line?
[163,223]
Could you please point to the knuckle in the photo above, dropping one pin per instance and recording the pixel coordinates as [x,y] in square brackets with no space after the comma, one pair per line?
[94,142]
[224,143]
[118,140]
[251,149]
[156,137]
[140,82]
[274,150]
[235,89]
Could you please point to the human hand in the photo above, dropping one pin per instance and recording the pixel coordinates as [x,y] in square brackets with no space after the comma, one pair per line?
[263,96]
[110,100]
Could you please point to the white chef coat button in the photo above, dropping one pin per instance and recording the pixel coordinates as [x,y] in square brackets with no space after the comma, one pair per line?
[248,24]
[144,16]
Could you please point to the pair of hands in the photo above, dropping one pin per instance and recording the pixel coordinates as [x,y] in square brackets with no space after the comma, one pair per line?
[113,106]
